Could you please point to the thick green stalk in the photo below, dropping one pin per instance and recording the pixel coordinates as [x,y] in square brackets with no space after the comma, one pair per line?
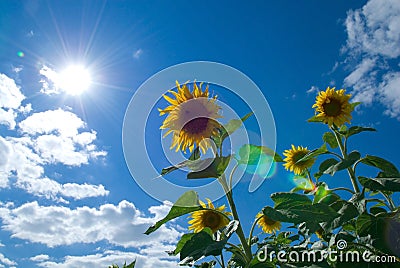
[349,169]
[239,230]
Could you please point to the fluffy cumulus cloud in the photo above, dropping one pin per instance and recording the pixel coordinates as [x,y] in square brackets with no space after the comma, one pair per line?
[373,43]
[6,262]
[49,137]
[121,225]
[108,257]
[10,100]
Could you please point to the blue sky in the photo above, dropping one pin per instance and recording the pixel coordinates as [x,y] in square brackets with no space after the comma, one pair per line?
[67,198]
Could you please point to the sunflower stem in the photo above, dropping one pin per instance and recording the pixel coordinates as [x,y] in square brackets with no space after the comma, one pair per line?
[390,201]
[349,169]
[252,229]
[239,230]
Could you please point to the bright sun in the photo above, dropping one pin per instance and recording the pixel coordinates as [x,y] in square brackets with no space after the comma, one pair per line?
[74,80]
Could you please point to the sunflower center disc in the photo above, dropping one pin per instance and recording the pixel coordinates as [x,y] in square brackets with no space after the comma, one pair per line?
[332,108]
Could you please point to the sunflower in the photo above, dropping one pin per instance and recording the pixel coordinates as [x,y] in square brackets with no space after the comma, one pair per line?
[267,224]
[295,154]
[333,107]
[320,233]
[211,217]
[192,117]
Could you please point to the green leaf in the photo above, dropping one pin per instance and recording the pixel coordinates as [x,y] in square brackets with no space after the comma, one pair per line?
[345,163]
[131,265]
[250,154]
[288,200]
[187,203]
[330,139]
[377,210]
[381,184]
[194,156]
[213,170]
[314,153]
[356,129]
[324,195]
[303,213]
[200,245]
[181,243]
[315,119]
[354,105]
[325,165]
[346,211]
[387,167]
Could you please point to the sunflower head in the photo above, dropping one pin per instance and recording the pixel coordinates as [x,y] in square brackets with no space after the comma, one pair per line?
[333,107]
[295,154]
[267,224]
[211,217]
[320,233]
[192,117]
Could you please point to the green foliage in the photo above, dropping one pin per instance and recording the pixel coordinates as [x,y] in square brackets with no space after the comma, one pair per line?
[187,203]
[213,170]
[359,217]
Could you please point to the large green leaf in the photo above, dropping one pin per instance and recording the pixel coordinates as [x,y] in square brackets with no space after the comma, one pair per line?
[315,119]
[187,203]
[345,163]
[328,163]
[387,167]
[181,243]
[314,153]
[346,211]
[356,129]
[303,213]
[200,245]
[381,184]
[330,139]
[194,156]
[251,154]
[207,170]
[324,195]
[288,200]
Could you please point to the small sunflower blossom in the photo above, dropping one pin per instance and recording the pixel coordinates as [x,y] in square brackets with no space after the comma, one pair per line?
[319,233]
[192,117]
[333,107]
[211,217]
[295,154]
[267,224]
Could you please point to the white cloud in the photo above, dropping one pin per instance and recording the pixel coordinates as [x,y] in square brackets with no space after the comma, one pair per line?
[48,81]
[373,41]
[110,257]
[360,72]
[10,94]
[10,100]
[6,261]
[138,53]
[18,159]
[60,139]
[375,29]
[121,224]
[40,258]
[312,90]
[64,123]
[391,93]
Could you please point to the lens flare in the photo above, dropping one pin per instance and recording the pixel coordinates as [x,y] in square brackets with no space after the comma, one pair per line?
[301,183]
[264,166]
[20,54]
